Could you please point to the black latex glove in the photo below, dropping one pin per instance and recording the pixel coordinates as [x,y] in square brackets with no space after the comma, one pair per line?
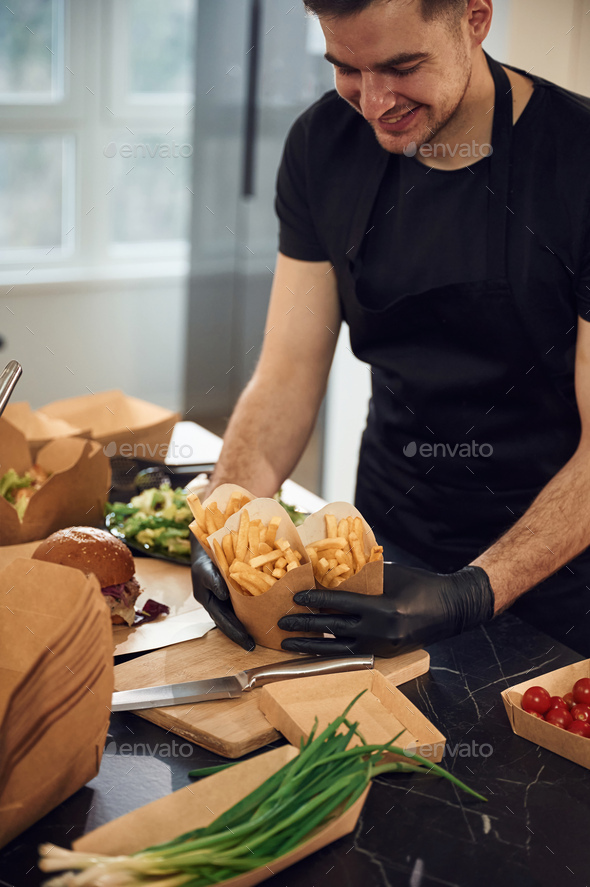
[417,607]
[210,590]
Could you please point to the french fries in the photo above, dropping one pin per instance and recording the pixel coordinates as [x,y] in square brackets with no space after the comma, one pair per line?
[255,559]
[210,519]
[260,559]
[341,553]
[252,557]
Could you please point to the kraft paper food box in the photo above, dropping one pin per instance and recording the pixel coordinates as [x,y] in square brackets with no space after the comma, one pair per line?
[74,494]
[38,428]
[125,426]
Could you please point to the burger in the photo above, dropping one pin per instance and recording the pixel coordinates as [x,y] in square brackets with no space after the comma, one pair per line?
[96,551]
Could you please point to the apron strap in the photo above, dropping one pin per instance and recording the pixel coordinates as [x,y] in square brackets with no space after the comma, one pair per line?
[500,168]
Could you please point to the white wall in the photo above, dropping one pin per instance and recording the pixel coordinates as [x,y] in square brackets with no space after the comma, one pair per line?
[76,338]
[552,39]
[347,401]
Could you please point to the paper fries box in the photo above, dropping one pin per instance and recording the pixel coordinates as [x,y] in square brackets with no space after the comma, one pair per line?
[56,681]
[197,805]
[75,493]
[125,426]
[369,580]
[557,683]
[261,613]
[38,428]
[382,711]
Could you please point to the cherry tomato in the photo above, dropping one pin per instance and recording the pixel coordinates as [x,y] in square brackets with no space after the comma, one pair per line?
[536,714]
[580,712]
[536,699]
[557,702]
[569,700]
[559,717]
[580,728]
[582,690]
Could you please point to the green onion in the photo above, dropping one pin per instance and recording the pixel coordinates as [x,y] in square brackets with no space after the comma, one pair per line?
[323,781]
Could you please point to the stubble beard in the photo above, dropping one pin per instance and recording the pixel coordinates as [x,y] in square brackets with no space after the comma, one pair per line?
[446,123]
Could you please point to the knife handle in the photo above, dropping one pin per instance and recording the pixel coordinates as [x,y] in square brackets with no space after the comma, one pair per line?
[300,668]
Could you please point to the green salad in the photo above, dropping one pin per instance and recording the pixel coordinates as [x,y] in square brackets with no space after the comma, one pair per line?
[157,520]
[296,516]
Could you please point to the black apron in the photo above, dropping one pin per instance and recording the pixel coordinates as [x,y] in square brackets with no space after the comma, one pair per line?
[466,423]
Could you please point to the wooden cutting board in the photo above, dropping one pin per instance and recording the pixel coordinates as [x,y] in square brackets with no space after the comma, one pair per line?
[231,727]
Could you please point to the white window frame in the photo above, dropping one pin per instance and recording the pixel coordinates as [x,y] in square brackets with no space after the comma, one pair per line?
[93,106]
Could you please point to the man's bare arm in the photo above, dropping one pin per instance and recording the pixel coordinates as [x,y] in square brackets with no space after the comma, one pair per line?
[275,414]
[556,527]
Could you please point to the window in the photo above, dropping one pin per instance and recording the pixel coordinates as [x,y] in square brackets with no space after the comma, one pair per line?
[95,132]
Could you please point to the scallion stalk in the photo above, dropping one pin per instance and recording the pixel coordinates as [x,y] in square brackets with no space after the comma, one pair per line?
[303,796]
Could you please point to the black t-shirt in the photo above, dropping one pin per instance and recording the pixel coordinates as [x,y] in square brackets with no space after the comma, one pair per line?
[335,179]
[428,228]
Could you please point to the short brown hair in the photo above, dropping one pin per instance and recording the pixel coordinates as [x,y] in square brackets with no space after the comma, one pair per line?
[430,8]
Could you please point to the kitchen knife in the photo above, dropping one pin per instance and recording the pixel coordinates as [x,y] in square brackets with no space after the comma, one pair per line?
[234,685]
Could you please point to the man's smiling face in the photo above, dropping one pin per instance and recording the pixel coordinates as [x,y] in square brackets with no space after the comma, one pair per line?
[405,75]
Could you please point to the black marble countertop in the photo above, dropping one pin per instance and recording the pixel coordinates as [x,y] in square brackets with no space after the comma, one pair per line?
[414,830]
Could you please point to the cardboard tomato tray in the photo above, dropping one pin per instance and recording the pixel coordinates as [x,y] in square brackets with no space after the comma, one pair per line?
[197,805]
[382,712]
[557,683]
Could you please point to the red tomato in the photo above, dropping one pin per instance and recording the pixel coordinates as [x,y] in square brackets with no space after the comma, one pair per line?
[559,717]
[582,690]
[580,728]
[581,712]
[536,699]
[536,714]
[569,700]
[557,702]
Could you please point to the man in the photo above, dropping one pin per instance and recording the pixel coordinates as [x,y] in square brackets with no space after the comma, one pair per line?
[464,275]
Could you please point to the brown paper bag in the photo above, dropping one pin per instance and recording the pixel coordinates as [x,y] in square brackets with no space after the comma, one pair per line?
[124,426]
[260,614]
[75,494]
[369,580]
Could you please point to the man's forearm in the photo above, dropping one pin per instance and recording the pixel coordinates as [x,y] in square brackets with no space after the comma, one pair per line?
[550,533]
[266,435]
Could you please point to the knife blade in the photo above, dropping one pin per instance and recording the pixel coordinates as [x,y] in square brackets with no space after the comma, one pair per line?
[233,686]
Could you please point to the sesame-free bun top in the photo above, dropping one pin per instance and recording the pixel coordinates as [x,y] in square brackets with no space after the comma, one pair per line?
[90,550]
